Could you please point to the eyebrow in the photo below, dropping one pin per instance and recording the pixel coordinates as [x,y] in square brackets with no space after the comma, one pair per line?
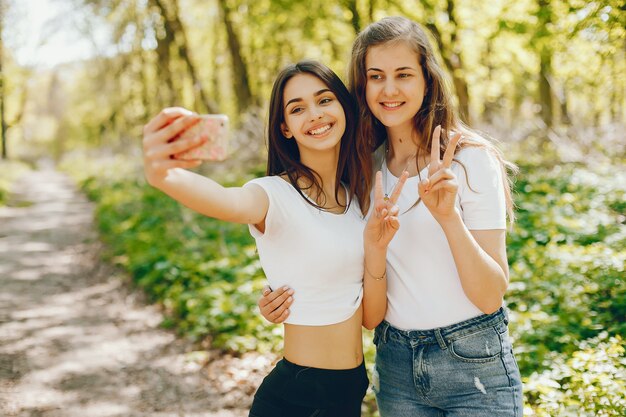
[319,93]
[397,69]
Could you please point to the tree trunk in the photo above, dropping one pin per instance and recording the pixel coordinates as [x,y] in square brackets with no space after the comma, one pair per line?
[240,70]
[545,92]
[456,61]
[372,8]
[454,66]
[167,95]
[356,18]
[545,64]
[174,25]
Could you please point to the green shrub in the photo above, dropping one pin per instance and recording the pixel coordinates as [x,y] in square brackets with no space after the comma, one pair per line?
[591,382]
[567,258]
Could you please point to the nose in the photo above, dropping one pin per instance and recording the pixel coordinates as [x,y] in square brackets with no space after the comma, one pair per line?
[390,87]
[316,113]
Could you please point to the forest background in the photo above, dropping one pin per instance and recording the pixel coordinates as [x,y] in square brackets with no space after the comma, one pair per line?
[545,77]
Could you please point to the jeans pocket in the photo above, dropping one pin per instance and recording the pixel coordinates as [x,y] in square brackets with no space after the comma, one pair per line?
[479,347]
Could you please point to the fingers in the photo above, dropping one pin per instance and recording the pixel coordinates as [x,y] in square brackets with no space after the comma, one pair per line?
[165,117]
[278,310]
[168,133]
[282,317]
[274,305]
[398,188]
[393,222]
[442,180]
[445,185]
[442,174]
[180,147]
[276,298]
[266,291]
[378,187]
[450,149]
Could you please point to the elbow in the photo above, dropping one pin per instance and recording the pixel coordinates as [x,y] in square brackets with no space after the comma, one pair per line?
[491,306]
[370,324]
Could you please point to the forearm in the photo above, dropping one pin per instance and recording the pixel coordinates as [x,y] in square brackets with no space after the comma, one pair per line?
[483,279]
[374,286]
[205,196]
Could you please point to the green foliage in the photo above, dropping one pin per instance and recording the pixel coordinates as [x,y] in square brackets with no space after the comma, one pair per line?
[567,257]
[590,383]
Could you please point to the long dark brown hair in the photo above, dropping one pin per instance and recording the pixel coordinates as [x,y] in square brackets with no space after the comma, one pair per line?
[284,157]
[437,107]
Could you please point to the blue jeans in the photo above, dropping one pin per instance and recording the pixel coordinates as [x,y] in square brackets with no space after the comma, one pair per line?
[463,370]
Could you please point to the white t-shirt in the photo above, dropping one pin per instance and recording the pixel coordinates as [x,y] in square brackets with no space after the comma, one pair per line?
[317,253]
[424,288]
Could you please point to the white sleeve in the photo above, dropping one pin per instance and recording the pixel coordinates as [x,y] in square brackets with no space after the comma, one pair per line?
[481,190]
[275,212]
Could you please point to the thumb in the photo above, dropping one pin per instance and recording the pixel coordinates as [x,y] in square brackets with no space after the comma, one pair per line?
[422,187]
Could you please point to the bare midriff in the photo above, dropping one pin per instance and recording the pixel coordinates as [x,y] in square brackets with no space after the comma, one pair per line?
[335,346]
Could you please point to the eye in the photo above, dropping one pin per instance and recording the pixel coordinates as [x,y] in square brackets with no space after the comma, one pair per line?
[326,100]
[375,77]
[404,75]
[295,110]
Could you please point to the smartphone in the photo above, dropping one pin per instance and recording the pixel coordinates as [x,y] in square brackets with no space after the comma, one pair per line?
[215,128]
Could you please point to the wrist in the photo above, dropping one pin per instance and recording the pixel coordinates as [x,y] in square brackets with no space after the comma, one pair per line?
[376,275]
[375,250]
[449,220]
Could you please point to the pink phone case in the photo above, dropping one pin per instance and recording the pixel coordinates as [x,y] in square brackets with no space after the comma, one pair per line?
[215,127]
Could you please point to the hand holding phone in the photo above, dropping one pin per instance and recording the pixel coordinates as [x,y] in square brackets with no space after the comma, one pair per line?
[215,128]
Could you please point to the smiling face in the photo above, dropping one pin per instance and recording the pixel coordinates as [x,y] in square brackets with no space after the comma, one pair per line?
[395,86]
[313,115]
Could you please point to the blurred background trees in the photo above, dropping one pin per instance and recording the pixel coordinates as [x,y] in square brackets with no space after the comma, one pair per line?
[557,65]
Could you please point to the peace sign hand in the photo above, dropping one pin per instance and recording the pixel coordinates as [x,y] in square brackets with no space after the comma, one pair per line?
[383,222]
[438,191]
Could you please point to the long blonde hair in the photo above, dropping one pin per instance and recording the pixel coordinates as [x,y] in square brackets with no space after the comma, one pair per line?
[437,107]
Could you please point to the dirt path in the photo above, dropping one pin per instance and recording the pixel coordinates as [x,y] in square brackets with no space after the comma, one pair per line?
[74,341]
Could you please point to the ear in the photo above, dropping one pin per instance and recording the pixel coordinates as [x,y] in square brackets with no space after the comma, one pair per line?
[285,130]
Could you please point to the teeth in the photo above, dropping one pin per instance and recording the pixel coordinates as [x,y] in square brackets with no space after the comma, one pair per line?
[394,104]
[320,130]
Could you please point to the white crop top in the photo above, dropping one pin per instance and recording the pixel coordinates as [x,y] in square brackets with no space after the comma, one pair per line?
[317,253]
[424,289]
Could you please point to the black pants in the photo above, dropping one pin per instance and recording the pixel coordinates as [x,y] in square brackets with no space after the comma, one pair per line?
[292,390]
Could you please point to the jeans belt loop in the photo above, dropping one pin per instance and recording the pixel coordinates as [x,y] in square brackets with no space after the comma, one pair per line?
[384,331]
[506,315]
[440,339]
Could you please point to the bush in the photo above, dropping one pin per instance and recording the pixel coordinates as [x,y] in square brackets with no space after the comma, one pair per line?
[567,258]
[591,382]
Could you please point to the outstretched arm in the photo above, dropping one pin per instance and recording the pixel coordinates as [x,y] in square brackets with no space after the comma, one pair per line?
[199,193]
